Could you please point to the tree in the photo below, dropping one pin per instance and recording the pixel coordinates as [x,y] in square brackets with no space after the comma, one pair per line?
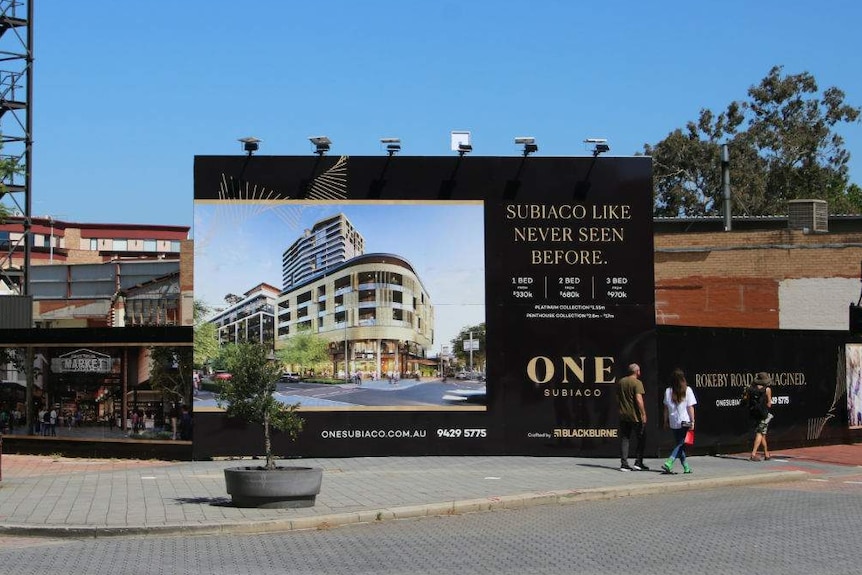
[206,347]
[171,372]
[782,145]
[305,350]
[463,355]
[248,394]
[8,168]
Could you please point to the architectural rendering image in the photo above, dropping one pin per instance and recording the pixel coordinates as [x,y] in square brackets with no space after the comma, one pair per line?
[361,280]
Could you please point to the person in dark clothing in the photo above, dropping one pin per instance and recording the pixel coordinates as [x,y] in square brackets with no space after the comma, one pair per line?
[633,418]
[186,424]
[759,396]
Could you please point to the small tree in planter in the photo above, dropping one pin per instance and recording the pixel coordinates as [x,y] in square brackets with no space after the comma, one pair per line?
[248,395]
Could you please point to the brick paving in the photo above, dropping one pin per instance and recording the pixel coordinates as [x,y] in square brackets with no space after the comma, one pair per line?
[55,496]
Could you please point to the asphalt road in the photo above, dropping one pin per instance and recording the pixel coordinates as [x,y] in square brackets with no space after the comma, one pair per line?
[810,526]
[428,392]
[425,393]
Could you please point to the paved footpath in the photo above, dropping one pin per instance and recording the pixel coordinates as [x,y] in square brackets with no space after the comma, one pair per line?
[54,497]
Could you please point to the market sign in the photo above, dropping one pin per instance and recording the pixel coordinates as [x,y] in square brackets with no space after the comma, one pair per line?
[82,361]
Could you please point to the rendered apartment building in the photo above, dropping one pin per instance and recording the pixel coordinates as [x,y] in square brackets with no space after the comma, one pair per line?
[328,243]
[250,317]
[371,308]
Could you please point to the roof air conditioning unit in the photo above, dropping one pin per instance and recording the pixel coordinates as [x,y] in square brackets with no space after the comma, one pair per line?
[808,216]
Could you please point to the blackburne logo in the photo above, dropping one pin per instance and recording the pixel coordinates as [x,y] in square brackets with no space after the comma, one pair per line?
[584,432]
[595,370]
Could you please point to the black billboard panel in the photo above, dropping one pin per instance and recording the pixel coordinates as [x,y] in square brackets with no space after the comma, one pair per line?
[809,397]
[552,258]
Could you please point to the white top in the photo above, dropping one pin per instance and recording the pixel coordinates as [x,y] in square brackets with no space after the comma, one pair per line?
[678,412]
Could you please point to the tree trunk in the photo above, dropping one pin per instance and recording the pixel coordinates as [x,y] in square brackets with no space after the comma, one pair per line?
[267,443]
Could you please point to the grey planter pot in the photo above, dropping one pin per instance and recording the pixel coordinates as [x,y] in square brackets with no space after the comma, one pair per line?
[279,488]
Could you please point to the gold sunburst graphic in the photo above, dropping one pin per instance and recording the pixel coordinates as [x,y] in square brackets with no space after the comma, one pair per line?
[331,184]
[241,201]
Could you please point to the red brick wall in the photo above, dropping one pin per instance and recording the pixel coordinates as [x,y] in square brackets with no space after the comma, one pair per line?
[730,279]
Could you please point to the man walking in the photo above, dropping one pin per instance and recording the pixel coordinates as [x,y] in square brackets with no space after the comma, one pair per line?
[630,396]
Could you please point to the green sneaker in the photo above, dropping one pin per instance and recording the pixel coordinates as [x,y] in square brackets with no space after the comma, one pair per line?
[667,466]
[686,468]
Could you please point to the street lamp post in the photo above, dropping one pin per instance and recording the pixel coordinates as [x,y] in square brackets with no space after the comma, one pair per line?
[346,364]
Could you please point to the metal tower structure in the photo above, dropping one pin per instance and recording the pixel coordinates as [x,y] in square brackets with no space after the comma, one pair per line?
[16,135]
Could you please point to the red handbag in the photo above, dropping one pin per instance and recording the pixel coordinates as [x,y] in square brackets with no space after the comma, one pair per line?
[689,437]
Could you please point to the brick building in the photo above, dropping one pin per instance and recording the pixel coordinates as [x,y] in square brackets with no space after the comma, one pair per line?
[60,242]
[101,275]
[766,272]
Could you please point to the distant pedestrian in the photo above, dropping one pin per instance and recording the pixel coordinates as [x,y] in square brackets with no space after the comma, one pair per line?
[5,417]
[186,424]
[45,421]
[758,397]
[53,422]
[679,402]
[633,418]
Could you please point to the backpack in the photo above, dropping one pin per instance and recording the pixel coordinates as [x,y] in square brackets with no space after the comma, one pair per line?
[46,417]
[756,398]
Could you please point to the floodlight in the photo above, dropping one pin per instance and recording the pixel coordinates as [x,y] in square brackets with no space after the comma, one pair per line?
[321,144]
[529,144]
[393,145]
[460,141]
[250,144]
[600,145]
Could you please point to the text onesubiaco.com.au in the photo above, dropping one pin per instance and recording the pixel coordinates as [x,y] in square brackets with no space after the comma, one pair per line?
[372,433]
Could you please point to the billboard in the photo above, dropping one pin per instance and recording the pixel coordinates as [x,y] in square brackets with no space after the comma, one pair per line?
[808,387]
[487,304]
[853,374]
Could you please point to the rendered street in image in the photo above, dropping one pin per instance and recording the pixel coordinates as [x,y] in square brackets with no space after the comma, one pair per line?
[403,392]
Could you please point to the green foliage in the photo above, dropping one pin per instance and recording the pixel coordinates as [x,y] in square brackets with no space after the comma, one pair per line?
[304,350]
[782,147]
[458,345]
[206,347]
[8,355]
[171,372]
[9,166]
[248,394]
[17,356]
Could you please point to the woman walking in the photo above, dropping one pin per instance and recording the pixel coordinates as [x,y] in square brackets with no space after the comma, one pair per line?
[679,402]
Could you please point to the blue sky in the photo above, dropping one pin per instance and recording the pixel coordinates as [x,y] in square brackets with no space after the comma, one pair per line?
[127,93]
[238,246]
